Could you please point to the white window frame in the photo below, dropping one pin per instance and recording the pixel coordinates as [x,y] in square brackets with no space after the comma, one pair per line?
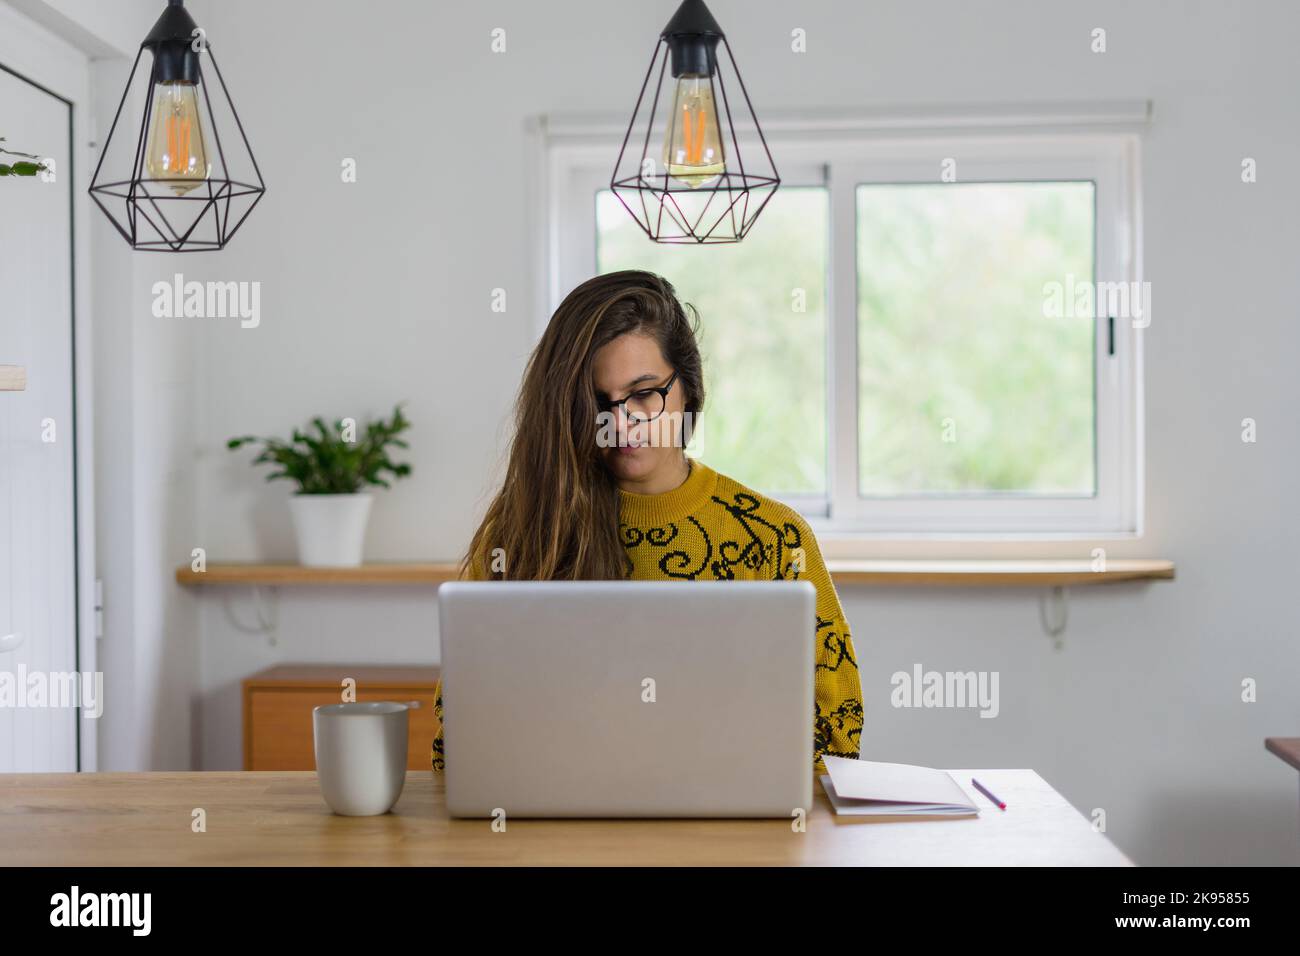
[1098,143]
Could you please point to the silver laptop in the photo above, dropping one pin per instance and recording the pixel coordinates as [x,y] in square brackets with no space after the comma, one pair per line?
[628,699]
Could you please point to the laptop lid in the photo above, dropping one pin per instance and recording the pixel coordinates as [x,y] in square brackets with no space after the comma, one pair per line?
[628,699]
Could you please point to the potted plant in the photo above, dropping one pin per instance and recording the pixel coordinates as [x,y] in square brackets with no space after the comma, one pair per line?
[24,166]
[331,466]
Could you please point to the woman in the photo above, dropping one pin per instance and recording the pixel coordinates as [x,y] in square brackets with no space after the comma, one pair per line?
[598,485]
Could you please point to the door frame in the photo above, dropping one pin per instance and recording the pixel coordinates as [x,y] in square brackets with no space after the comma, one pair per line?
[39,57]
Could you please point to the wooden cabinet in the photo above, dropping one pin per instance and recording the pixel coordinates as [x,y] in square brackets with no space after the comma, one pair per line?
[278,703]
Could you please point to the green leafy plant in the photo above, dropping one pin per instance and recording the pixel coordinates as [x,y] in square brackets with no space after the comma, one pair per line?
[23,167]
[322,462]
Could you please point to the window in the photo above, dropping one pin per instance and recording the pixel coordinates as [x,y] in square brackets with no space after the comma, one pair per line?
[963,388]
[922,334]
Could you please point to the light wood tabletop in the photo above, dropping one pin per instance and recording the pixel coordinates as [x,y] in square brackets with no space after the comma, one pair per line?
[1288,748]
[280,819]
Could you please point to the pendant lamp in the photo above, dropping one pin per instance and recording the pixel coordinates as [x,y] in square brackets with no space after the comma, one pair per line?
[192,178]
[691,183]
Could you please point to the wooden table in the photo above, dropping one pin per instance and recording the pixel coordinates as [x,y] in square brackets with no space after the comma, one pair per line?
[1287,748]
[279,818]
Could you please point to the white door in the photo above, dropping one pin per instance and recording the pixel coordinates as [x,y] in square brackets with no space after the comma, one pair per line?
[38,520]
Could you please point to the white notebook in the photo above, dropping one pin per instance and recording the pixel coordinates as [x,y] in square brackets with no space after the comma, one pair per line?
[867,788]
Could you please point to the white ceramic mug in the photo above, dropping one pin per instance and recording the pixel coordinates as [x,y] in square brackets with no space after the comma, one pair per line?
[361,755]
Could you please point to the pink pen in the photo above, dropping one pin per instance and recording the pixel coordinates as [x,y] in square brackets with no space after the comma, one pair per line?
[988,793]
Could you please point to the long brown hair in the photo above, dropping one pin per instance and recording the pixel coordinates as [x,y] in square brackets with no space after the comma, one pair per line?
[556,515]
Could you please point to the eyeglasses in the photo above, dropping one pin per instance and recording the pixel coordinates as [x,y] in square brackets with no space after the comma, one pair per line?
[643,405]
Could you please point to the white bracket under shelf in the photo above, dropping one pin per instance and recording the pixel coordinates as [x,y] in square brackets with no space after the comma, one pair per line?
[266,608]
[1052,604]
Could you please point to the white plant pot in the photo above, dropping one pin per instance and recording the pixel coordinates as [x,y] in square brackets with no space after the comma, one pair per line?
[331,529]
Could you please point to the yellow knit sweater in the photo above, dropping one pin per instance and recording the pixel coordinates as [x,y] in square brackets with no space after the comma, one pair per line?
[713,528]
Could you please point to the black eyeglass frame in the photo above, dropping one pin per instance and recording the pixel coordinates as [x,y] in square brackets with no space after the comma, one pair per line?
[663,390]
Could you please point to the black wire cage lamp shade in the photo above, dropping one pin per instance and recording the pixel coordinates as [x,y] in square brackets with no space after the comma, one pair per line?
[691,183]
[188,188]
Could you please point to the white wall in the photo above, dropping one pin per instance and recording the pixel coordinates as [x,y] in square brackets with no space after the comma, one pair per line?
[144,453]
[100,30]
[379,291]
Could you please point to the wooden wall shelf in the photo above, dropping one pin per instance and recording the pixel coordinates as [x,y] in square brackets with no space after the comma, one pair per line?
[942,573]
[1041,572]
[277,574]
[13,378]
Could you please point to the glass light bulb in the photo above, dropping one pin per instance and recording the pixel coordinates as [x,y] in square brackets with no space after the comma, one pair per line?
[176,151]
[692,143]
